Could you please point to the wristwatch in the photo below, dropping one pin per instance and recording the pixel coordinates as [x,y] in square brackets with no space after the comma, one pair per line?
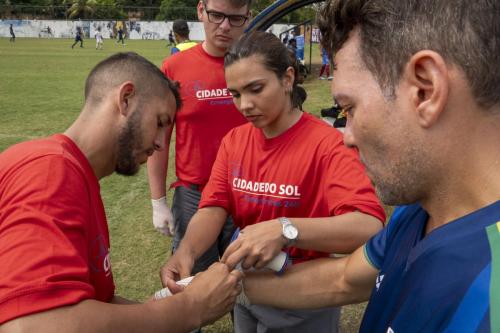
[289,231]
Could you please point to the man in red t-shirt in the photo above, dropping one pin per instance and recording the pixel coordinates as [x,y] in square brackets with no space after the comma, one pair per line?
[208,113]
[55,271]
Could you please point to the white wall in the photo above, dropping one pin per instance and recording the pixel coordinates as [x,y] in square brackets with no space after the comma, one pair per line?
[134,30]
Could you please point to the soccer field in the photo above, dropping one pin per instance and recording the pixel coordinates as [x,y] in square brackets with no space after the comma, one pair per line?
[41,93]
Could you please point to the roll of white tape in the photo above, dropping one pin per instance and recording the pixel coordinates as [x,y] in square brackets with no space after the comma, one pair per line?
[165,292]
[279,262]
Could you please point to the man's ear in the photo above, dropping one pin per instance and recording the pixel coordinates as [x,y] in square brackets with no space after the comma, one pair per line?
[249,19]
[428,78]
[199,10]
[125,92]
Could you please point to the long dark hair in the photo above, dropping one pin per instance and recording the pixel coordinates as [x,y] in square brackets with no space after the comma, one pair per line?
[277,58]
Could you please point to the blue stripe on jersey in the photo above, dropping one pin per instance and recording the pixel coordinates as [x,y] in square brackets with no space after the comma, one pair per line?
[474,305]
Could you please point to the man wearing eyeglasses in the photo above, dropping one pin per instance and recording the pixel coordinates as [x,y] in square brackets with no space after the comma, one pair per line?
[208,113]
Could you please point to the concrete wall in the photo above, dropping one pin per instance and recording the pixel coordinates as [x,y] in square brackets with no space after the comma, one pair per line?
[134,29]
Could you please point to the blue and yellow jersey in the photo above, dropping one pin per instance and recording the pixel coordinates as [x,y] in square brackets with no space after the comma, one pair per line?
[182,47]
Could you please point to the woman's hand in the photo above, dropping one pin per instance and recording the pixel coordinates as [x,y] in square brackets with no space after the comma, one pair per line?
[256,245]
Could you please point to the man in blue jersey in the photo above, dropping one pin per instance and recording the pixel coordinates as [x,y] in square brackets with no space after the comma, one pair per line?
[121,37]
[78,37]
[419,82]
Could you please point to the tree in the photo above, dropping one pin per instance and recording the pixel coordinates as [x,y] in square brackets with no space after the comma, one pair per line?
[297,16]
[80,8]
[178,9]
[259,5]
[108,9]
[148,9]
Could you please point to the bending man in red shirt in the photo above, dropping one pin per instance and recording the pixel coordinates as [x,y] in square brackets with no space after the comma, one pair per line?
[55,272]
[285,170]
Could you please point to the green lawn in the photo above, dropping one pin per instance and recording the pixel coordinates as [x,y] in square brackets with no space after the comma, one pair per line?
[41,92]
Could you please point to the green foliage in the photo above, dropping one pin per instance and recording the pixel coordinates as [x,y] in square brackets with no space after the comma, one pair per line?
[121,9]
[81,9]
[178,9]
[105,9]
[298,16]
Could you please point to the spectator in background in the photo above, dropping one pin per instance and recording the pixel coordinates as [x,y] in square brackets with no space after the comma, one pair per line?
[292,46]
[325,65]
[285,39]
[181,34]
[300,44]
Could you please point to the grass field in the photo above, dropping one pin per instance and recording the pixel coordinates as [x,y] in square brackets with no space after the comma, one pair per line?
[41,92]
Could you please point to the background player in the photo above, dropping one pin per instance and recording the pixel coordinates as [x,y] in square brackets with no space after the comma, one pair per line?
[78,37]
[99,42]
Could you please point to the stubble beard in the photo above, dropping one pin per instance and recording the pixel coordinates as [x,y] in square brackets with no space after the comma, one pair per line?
[403,180]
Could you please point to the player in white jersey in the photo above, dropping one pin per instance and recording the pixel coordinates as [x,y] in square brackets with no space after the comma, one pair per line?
[99,41]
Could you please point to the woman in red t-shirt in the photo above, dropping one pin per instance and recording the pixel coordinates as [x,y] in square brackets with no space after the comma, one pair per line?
[286,179]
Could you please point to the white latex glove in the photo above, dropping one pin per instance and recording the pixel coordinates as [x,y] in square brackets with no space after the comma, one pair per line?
[163,220]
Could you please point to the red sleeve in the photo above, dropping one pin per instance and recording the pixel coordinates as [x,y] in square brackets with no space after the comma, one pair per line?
[216,192]
[43,247]
[348,188]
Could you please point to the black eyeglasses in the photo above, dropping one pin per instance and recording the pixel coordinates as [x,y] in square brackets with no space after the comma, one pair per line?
[218,18]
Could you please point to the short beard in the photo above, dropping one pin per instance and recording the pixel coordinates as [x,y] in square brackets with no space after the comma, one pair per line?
[406,182]
[129,139]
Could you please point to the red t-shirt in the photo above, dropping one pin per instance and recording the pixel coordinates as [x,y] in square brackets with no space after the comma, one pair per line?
[305,172]
[54,242]
[207,112]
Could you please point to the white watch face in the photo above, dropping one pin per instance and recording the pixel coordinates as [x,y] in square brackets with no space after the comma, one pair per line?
[290,232]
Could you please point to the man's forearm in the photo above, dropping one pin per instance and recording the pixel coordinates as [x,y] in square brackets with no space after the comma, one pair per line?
[167,315]
[157,165]
[157,174]
[337,234]
[203,230]
[122,300]
[315,284]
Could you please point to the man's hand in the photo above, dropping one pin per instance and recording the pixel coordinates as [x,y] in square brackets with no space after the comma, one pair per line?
[256,245]
[163,220]
[178,267]
[214,292]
